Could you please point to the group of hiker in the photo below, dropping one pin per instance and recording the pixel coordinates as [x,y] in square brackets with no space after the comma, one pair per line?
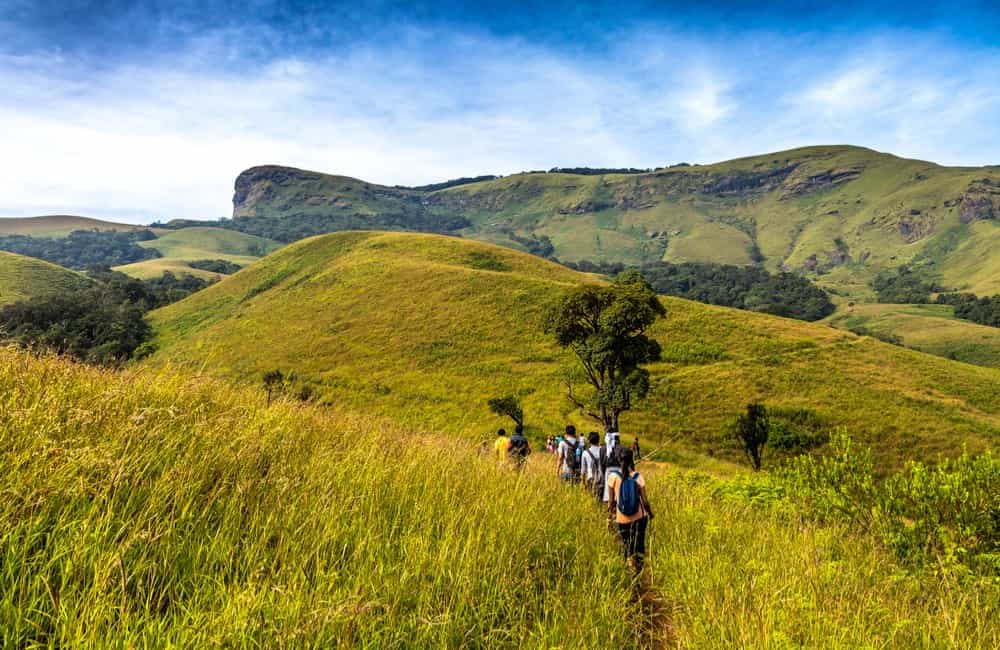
[606,470]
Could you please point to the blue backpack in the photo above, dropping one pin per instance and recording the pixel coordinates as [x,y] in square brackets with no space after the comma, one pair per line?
[628,496]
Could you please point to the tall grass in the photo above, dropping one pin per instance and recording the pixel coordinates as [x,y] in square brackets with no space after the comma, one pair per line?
[141,509]
[743,576]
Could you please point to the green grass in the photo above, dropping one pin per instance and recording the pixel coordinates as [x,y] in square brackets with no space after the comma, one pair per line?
[25,277]
[892,212]
[57,225]
[929,328]
[178,247]
[737,575]
[144,510]
[412,327]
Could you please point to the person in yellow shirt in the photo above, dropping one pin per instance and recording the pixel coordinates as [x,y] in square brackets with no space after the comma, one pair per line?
[501,446]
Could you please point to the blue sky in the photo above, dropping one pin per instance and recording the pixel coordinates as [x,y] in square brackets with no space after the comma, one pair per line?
[141,111]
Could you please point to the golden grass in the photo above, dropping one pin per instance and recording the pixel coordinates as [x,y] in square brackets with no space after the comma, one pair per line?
[414,327]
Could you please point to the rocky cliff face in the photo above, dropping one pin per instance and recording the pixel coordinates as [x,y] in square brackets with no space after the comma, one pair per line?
[980,202]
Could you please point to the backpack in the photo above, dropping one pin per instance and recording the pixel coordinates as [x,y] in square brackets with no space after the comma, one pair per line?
[518,446]
[628,496]
[572,460]
[597,468]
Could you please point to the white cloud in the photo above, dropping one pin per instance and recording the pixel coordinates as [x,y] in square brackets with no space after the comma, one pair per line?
[166,138]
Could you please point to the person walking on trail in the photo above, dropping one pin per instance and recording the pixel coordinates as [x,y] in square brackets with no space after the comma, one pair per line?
[501,446]
[635,448]
[629,508]
[567,462]
[519,448]
[611,462]
[592,467]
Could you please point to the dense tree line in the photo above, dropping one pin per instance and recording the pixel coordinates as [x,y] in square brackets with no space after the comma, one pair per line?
[294,227]
[465,180]
[102,324]
[968,306]
[224,267]
[84,248]
[904,285]
[742,287]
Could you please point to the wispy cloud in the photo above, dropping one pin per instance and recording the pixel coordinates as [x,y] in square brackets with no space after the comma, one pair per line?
[158,136]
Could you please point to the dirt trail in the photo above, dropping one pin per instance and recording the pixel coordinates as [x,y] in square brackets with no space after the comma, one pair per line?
[658,629]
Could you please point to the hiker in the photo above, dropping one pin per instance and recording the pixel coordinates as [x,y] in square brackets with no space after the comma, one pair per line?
[550,445]
[635,448]
[519,448]
[567,462]
[592,467]
[611,462]
[501,445]
[629,508]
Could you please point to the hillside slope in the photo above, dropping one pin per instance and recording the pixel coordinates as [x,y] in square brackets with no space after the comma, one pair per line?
[58,225]
[425,328]
[24,277]
[839,213]
[180,247]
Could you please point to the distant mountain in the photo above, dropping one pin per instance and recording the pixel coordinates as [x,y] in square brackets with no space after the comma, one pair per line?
[425,328]
[837,213]
[58,225]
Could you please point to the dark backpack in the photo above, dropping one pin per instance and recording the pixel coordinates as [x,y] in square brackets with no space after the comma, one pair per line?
[597,467]
[572,459]
[518,446]
[629,496]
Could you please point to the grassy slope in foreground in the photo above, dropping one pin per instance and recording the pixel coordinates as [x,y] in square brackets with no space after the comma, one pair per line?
[25,277]
[57,225]
[150,511]
[143,510]
[929,328]
[178,247]
[425,328]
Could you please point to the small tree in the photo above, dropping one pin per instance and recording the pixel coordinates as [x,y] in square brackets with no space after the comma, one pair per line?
[751,429]
[605,327]
[273,380]
[508,406]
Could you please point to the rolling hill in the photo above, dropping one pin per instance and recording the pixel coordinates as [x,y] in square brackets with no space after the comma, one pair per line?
[424,328]
[837,213]
[24,277]
[58,225]
[180,247]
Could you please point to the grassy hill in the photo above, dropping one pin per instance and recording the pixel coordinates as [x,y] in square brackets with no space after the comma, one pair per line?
[179,247]
[58,225]
[929,328]
[145,509]
[424,328]
[838,213]
[23,277]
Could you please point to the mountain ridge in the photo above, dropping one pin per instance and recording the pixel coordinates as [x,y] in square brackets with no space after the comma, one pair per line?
[839,214]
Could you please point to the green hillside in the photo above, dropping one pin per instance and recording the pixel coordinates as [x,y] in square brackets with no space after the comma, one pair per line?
[838,213]
[24,277]
[424,328]
[929,328]
[58,225]
[166,511]
[179,247]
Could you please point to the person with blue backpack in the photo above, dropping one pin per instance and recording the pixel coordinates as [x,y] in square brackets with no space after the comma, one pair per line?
[629,508]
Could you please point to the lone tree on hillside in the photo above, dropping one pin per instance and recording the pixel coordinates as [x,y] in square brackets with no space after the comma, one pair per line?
[273,380]
[605,327]
[508,406]
[752,429]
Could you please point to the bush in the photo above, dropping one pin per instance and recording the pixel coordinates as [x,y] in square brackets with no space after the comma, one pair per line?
[947,515]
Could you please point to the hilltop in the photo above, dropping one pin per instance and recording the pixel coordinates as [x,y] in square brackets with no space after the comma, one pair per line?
[839,214]
[178,248]
[424,328]
[59,225]
[25,277]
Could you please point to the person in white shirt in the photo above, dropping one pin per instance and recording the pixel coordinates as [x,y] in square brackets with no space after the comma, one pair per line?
[566,460]
[592,467]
